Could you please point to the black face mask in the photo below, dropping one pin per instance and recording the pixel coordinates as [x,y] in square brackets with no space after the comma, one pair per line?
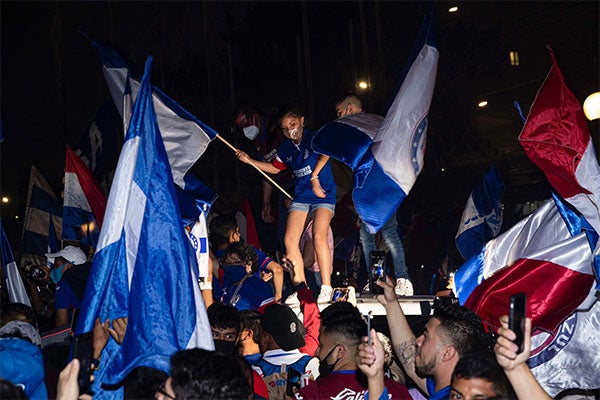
[225,347]
[324,367]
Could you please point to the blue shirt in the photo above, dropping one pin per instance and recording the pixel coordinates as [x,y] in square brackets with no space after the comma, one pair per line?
[65,296]
[443,394]
[301,159]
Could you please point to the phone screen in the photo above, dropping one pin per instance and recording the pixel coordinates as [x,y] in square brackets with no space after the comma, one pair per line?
[377,261]
[516,317]
[83,350]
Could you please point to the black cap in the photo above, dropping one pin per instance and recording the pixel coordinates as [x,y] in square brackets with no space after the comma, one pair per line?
[282,323]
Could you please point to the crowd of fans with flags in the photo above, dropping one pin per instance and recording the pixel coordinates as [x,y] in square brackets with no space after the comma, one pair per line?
[178,305]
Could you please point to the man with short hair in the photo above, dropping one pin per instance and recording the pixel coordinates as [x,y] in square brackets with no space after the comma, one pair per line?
[351,104]
[478,376]
[342,328]
[249,330]
[429,360]
[70,273]
[201,374]
[224,322]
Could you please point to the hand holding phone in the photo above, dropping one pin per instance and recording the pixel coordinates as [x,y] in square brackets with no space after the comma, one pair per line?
[377,265]
[516,317]
[83,350]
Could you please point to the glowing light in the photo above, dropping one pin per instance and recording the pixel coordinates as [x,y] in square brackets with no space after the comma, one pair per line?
[363,85]
[5,199]
[453,9]
[591,106]
[482,104]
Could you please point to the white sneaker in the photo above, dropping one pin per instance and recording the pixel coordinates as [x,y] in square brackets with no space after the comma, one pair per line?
[292,299]
[325,294]
[404,287]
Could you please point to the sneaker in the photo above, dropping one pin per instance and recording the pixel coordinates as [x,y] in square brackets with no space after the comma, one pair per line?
[404,287]
[292,299]
[325,294]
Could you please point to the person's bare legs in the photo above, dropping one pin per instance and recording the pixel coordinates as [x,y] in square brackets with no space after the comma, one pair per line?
[321,220]
[293,231]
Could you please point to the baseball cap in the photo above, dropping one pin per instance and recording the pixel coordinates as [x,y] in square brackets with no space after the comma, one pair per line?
[282,323]
[72,254]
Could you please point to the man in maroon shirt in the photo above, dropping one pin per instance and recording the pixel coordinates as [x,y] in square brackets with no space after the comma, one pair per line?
[341,330]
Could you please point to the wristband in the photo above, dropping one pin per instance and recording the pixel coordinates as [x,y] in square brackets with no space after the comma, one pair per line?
[299,286]
[314,177]
[95,364]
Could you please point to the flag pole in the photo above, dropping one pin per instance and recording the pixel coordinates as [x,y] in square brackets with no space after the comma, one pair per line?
[232,147]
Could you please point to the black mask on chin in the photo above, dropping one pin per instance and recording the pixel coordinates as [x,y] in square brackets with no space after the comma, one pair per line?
[225,347]
[324,367]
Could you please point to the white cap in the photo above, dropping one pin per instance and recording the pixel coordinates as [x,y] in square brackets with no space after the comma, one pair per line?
[72,254]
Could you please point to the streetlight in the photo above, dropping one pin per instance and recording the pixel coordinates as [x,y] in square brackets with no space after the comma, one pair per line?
[591,106]
[453,9]
[482,104]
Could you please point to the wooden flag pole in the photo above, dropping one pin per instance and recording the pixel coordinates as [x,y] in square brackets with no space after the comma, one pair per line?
[267,177]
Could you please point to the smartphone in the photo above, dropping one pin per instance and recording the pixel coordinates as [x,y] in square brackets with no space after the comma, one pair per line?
[83,350]
[516,317]
[377,263]
[339,294]
[369,316]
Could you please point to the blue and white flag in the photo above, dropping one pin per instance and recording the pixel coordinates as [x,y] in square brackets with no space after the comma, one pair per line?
[53,245]
[98,146]
[185,137]
[14,282]
[482,218]
[84,202]
[42,206]
[144,268]
[386,155]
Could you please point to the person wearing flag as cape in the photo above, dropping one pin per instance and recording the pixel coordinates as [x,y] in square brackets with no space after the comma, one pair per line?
[314,191]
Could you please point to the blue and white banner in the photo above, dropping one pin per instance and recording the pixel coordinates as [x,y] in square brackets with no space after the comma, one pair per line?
[14,282]
[482,218]
[98,146]
[185,137]
[570,357]
[144,268]
[42,206]
[386,155]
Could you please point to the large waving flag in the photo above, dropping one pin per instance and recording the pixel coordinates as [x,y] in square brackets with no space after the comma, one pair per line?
[84,202]
[556,138]
[144,267]
[42,207]
[386,157]
[180,130]
[546,255]
[14,282]
[568,358]
[98,146]
[482,217]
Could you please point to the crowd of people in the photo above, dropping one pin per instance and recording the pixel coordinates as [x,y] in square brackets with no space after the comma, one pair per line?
[272,340]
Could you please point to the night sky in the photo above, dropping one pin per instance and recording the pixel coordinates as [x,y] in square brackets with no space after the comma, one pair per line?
[52,85]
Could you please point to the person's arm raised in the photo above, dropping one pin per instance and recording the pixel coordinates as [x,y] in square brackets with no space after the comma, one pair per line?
[263,166]
[515,364]
[403,338]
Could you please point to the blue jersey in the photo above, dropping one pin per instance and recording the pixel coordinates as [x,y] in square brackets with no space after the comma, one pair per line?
[301,159]
[252,295]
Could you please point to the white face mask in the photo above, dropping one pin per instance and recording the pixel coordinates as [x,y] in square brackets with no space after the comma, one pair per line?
[294,133]
[251,132]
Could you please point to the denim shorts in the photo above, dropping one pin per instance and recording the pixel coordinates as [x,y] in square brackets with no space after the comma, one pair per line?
[309,208]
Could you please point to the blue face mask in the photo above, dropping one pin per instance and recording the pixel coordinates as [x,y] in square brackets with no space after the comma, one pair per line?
[56,273]
[235,273]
